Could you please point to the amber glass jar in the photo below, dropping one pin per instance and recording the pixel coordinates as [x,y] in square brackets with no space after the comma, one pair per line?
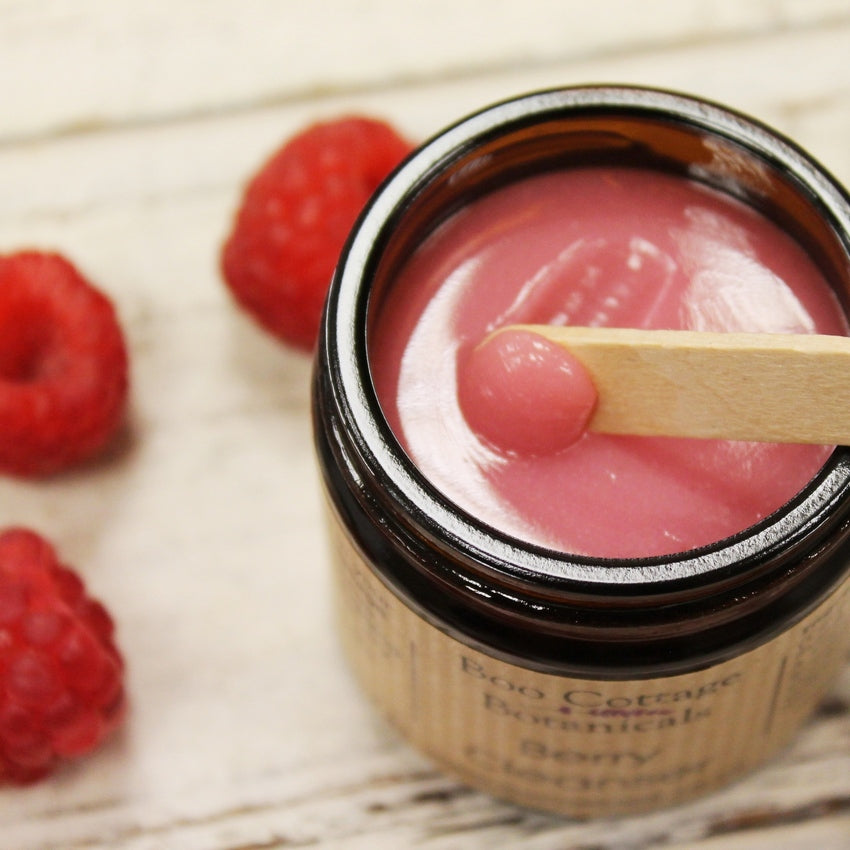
[567,683]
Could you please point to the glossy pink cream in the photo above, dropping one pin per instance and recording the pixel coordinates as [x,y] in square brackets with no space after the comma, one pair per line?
[594,246]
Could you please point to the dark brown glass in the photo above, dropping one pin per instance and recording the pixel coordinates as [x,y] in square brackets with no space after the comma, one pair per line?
[546,610]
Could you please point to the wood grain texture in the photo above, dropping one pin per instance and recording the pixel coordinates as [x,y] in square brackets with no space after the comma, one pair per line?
[773,388]
[85,64]
[128,131]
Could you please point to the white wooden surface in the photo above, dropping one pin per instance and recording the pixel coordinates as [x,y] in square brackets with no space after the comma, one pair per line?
[127,130]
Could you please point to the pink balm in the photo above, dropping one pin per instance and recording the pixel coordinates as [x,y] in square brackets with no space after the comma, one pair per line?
[593,246]
[525,394]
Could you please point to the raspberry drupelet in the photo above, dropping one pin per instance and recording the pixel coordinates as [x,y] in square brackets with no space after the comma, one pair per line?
[63,365]
[295,216]
[61,675]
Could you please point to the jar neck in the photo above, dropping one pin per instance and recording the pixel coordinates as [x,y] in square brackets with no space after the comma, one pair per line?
[623,627]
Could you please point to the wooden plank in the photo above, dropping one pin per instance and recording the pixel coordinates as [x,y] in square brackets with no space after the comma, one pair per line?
[394,799]
[73,177]
[81,65]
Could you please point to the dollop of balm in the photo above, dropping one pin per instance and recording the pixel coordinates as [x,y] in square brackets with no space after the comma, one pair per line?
[525,394]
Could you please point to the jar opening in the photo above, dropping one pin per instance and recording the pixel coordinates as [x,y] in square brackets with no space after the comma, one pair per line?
[529,136]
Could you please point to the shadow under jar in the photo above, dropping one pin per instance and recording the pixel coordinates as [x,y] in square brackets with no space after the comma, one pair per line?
[572,683]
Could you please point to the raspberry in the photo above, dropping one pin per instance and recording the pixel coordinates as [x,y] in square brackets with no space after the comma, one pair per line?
[61,688]
[295,216]
[63,365]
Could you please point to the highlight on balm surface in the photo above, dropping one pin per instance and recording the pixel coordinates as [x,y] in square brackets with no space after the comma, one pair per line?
[596,246]
[525,394]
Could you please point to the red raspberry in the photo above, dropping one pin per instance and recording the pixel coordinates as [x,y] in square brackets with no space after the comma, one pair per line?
[63,365]
[61,686]
[295,216]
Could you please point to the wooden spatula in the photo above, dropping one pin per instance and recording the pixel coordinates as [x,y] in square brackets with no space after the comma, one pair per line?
[783,388]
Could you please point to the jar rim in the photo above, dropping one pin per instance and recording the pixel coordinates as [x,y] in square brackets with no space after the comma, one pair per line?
[345,344]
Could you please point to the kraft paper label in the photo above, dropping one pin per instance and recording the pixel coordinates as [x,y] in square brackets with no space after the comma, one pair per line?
[579,746]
